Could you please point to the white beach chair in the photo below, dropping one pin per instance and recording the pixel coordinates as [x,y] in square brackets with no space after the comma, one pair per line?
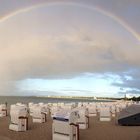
[54,109]
[113,110]
[122,106]
[39,115]
[30,104]
[19,118]
[47,108]
[3,110]
[61,104]
[64,126]
[98,107]
[105,114]
[83,119]
[117,109]
[92,110]
[80,104]
[41,104]
[69,106]
[31,108]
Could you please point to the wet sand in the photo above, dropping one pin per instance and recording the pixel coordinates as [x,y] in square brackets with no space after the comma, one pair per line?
[97,131]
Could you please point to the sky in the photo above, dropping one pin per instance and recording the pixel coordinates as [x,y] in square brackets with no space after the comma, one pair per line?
[70,48]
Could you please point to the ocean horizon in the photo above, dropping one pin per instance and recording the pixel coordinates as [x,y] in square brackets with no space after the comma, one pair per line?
[26,99]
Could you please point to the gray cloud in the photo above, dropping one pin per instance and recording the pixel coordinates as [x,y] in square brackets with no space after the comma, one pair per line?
[131,80]
[56,51]
[133,92]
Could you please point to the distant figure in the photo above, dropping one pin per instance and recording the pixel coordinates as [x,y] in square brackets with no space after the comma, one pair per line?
[6,104]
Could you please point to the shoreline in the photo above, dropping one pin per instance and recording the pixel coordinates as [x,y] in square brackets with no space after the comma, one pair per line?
[67,98]
[90,98]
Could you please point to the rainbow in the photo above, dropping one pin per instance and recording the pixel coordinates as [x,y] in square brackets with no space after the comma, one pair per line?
[97,9]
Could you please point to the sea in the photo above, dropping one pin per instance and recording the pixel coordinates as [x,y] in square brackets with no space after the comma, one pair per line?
[16,99]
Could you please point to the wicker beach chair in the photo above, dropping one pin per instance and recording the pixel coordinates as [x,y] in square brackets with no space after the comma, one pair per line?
[105,114]
[83,119]
[92,110]
[64,126]
[19,118]
[3,110]
[39,115]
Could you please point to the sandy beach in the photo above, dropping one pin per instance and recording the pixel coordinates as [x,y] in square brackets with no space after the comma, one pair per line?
[96,131]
